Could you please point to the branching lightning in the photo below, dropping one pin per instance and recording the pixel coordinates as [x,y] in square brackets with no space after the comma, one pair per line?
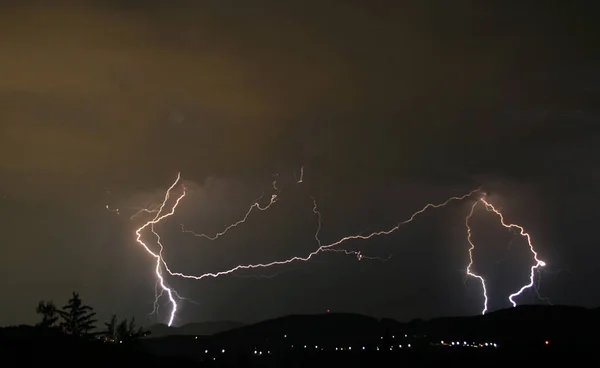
[358,254]
[158,256]
[322,248]
[160,214]
[255,205]
[538,262]
[158,293]
[141,211]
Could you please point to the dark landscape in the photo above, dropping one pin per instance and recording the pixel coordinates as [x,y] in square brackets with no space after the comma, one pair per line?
[521,335]
[203,328]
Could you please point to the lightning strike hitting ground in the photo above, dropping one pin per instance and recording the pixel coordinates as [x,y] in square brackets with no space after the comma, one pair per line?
[158,256]
[472,246]
[538,262]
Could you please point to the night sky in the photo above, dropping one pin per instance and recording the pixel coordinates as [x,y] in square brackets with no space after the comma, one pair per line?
[387,108]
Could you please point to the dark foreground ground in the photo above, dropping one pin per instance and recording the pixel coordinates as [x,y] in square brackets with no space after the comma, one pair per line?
[32,348]
[532,335]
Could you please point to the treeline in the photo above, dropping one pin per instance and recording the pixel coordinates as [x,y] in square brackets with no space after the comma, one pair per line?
[79,320]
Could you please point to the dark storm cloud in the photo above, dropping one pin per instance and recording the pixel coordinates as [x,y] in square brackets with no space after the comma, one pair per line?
[104,102]
[235,78]
[240,75]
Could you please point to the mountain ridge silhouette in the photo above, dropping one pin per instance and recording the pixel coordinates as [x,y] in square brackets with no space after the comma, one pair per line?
[194,328]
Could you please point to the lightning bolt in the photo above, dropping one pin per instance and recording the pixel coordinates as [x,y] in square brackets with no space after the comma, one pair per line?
[158,256]
[319,224]
[161,264]
[141,211]
[321,248]
[358,254]
[538,262]
[254,206]
[158,293]
[472,246]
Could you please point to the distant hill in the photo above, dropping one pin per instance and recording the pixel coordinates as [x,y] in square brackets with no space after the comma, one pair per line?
[305,329]
[520,327]
[196,329]
[527,334]
[520,324]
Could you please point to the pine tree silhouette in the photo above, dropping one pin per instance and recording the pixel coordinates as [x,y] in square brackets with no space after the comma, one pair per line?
[77,318]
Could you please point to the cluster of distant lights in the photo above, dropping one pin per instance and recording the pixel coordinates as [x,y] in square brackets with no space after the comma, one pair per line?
[453,344]
[316,347]
[259,352]
[465,344]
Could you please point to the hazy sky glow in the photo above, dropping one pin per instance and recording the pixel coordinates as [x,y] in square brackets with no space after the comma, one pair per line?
[387,107]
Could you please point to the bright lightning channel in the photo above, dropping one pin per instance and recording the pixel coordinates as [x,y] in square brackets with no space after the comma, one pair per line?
[158,256]
[321,248]
[472,246]
[358,254]
[538,262]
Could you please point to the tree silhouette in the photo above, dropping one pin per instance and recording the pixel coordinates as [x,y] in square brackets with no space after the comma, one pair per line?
[49,314]
[134,333]
[122,332]
[110,334]
[77,318]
